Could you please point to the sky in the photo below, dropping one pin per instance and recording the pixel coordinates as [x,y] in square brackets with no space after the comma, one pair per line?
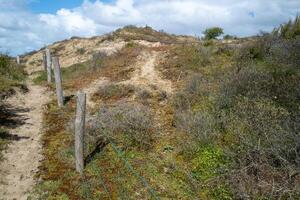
[27,25]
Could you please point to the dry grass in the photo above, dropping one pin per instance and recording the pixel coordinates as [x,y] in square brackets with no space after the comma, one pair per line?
[112,92]
[130,33]
[181,61]
[119,66]
[116,67]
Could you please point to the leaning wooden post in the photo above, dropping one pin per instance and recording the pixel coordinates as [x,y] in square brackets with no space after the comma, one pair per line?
[57,75]
[18,60]
[48,58]
[45,61]
[79,130]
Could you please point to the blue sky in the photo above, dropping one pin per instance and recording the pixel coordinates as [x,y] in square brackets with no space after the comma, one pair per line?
[51,6]
[27,25]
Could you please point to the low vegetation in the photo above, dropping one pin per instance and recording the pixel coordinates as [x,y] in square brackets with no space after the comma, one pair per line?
[11,75]
[116,67]
[113,92]
[229,131]
[249,116]
[184,60]
[129,33]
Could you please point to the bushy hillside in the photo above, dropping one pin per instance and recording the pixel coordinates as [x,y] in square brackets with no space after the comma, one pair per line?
[242,122]
[179,120]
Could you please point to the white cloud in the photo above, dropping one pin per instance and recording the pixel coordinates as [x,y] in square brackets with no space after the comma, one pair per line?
[21,30]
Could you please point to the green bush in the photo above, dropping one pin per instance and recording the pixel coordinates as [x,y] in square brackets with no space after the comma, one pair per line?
[209,162]
[213,33]
[127,124]
[81,51]
[289,30]
[229,37]
[11,74]
[253,115]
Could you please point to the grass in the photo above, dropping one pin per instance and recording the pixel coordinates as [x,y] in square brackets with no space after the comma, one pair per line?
[245,110]
[11,75]
[113,92]
[230,130]
[130,33]
[116,67]
[185,60]
[142,129]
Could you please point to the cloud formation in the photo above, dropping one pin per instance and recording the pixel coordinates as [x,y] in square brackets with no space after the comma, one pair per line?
[21,30]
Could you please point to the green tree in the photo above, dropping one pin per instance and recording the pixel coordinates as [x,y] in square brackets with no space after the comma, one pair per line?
[213,33]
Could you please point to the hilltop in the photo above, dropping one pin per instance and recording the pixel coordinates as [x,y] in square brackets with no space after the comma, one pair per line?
[77,50]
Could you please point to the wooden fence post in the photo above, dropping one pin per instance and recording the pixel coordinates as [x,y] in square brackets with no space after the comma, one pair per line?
[45,61]
[18,60]
[48,58]
[58,82]
[79,130]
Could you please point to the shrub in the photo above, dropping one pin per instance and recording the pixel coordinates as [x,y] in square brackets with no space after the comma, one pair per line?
[213,33]
[229,37]
[252,115]
[288,30]
[144,94]
[11,75]
[209,162]
[81,51]
[199,125]
[129,125]
[113,91]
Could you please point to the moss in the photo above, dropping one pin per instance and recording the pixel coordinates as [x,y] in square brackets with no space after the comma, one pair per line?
[221,192]
[209,162]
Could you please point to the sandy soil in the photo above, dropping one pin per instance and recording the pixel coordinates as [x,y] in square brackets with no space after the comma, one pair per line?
[21,159]
[146,75]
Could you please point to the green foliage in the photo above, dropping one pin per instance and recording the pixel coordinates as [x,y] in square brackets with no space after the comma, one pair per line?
[192,57]
[11,74]
[229,37]
[221,192]
[40,78]
[130,44]
[251,112]
[81,51]
[289,30]
[209,162]
[212,33]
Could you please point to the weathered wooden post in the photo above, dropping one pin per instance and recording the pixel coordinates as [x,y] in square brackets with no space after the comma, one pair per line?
[45,61]
[79,130]
[58,82]
[18,60]
[48,58]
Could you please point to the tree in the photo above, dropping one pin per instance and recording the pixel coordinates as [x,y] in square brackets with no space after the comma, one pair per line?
[213,33]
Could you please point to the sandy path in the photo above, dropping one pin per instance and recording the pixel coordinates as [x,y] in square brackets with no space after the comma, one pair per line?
[146,75]
[21,159]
